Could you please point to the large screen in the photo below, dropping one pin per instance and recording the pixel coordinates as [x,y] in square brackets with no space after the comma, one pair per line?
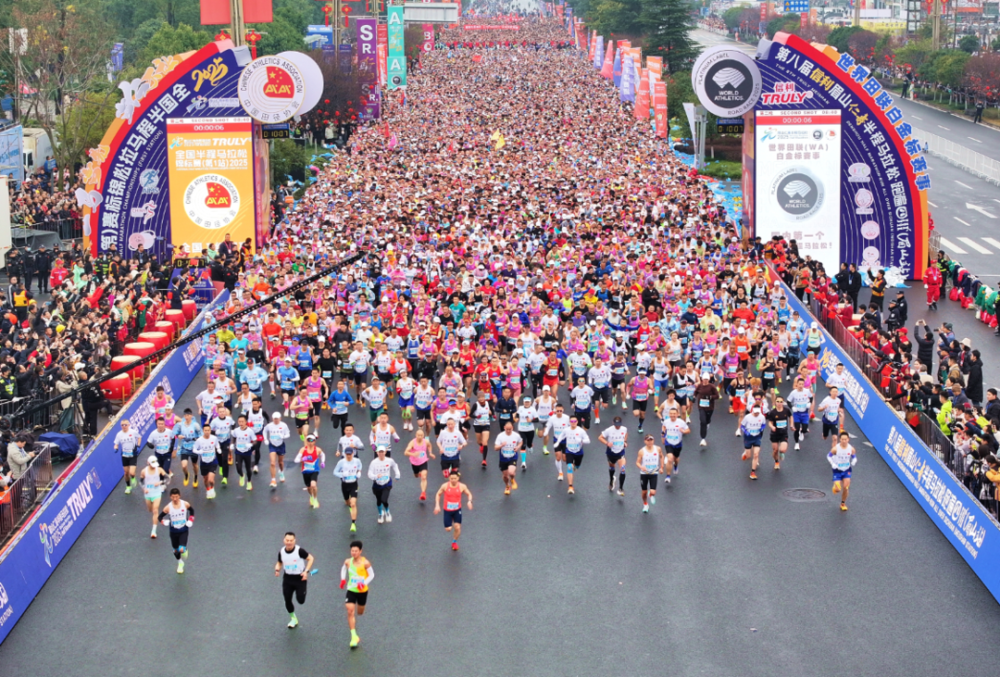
[797,192]
[211,180]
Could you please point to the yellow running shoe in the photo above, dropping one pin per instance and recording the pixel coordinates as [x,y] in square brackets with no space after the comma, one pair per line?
[836,487]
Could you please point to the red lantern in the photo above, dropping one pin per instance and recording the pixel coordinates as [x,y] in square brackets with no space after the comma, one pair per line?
[222,35]
[337,114]
[326,101]
[253,37]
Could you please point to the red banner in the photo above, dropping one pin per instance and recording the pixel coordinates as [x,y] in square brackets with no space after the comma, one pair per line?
[382,52]
[428,45]
[660,109]
[642,97]
[478,27]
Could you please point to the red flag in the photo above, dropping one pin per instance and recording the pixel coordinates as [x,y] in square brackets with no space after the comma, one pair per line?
[385,130]
[218,196]
[279,84]
[451,147]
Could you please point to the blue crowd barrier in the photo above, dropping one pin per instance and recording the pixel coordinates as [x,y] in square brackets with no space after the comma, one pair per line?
[954,510]
[42,543]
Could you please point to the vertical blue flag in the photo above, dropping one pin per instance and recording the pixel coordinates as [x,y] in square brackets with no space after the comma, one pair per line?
[599,52]
[627,87]
[617,72]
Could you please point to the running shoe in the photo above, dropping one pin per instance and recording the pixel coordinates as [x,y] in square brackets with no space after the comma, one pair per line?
[677,471]
[745,456]
[667,479]
[249,486]
[796,446]
[274,484]
[354,528]
[153,535]
[423,495]
[513,484]
[446,472]
[560,478]
[570,490]
[454,545]
[836,487]
[186,479]
[843,506]
[388,516]
[195,483]
[180,566]
[737,433]
[355,640]
[255,470]
[484,463]
[753,474]
[184,553]
[645,507]
[281,475]
[614,400]
[611,487]
[621,492]
[506,491]
[777,466]
[243,480]
[128,488]
[597,419]
[652,500]
[225,481]
[704,443]
[640,428]
[292,621]
[545,450]
[381,518]
[524,467]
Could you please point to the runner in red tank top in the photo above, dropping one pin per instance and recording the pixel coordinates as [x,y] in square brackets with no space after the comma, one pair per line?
[452,491]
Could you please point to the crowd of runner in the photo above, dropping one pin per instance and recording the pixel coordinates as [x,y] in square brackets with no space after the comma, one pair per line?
[539,266]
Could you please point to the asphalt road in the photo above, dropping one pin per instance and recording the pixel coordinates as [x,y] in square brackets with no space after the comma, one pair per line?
[723,577]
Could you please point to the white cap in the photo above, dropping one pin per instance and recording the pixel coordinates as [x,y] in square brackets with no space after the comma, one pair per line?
[276,414]
[152,462]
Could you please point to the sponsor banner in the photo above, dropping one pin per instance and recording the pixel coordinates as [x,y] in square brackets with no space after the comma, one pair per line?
[798,180]
[345,53]
[660,110]
[641,110]
[955,511]
[598,52]
[428,45]
[367,41]
[382,52]
[130,163]
[626,90]
[211,181]
[43,542]
[883,215]
[616,74]
[397,48]
[483,27]
[726,81]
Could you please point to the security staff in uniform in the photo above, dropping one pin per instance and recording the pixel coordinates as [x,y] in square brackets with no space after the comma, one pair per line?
[8,385]
[43,267]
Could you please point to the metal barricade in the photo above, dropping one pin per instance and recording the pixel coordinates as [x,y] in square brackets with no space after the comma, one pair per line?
[25,493]
[975,163]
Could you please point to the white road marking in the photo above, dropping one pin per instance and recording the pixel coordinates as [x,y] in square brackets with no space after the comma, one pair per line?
[916,118]
[976,140]
[944,128]
[963,185]
[932,204]
[990,240]
[975,245]
[961,221]
[955,249]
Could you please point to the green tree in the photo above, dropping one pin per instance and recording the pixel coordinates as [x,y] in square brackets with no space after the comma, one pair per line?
[288,158]
[667,28]
[969,44]
[169,40]
[839,37]
[614,18]
[280,35]
[785,23]
[946,67]
[914,54]
[732,17]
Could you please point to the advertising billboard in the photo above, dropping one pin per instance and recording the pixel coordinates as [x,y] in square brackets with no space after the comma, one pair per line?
[798,180]
[210,170]
[367,41]
[12,153]
[397,48]
[882,172]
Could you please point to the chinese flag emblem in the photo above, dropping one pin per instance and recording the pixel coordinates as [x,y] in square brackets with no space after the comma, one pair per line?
[218,197]
[279,84]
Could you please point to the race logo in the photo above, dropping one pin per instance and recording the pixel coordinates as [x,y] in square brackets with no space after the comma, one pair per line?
[212,201]
[271,89]
[197,103]
[870,230]
[864,199]
[859,173]
[144,212]
[798,193]
[146,238]
[212,74]
[727,81]
[149,180]
[784,93]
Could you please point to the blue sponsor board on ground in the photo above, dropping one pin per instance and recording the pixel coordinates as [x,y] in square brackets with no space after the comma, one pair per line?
[42,543]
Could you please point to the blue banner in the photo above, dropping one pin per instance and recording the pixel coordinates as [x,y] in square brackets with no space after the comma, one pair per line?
[12,153]
[42,543]
[952,508]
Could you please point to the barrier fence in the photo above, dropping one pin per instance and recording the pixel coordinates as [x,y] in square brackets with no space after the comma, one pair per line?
[961,156]
[25,493]
[66,229]
[921,458]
